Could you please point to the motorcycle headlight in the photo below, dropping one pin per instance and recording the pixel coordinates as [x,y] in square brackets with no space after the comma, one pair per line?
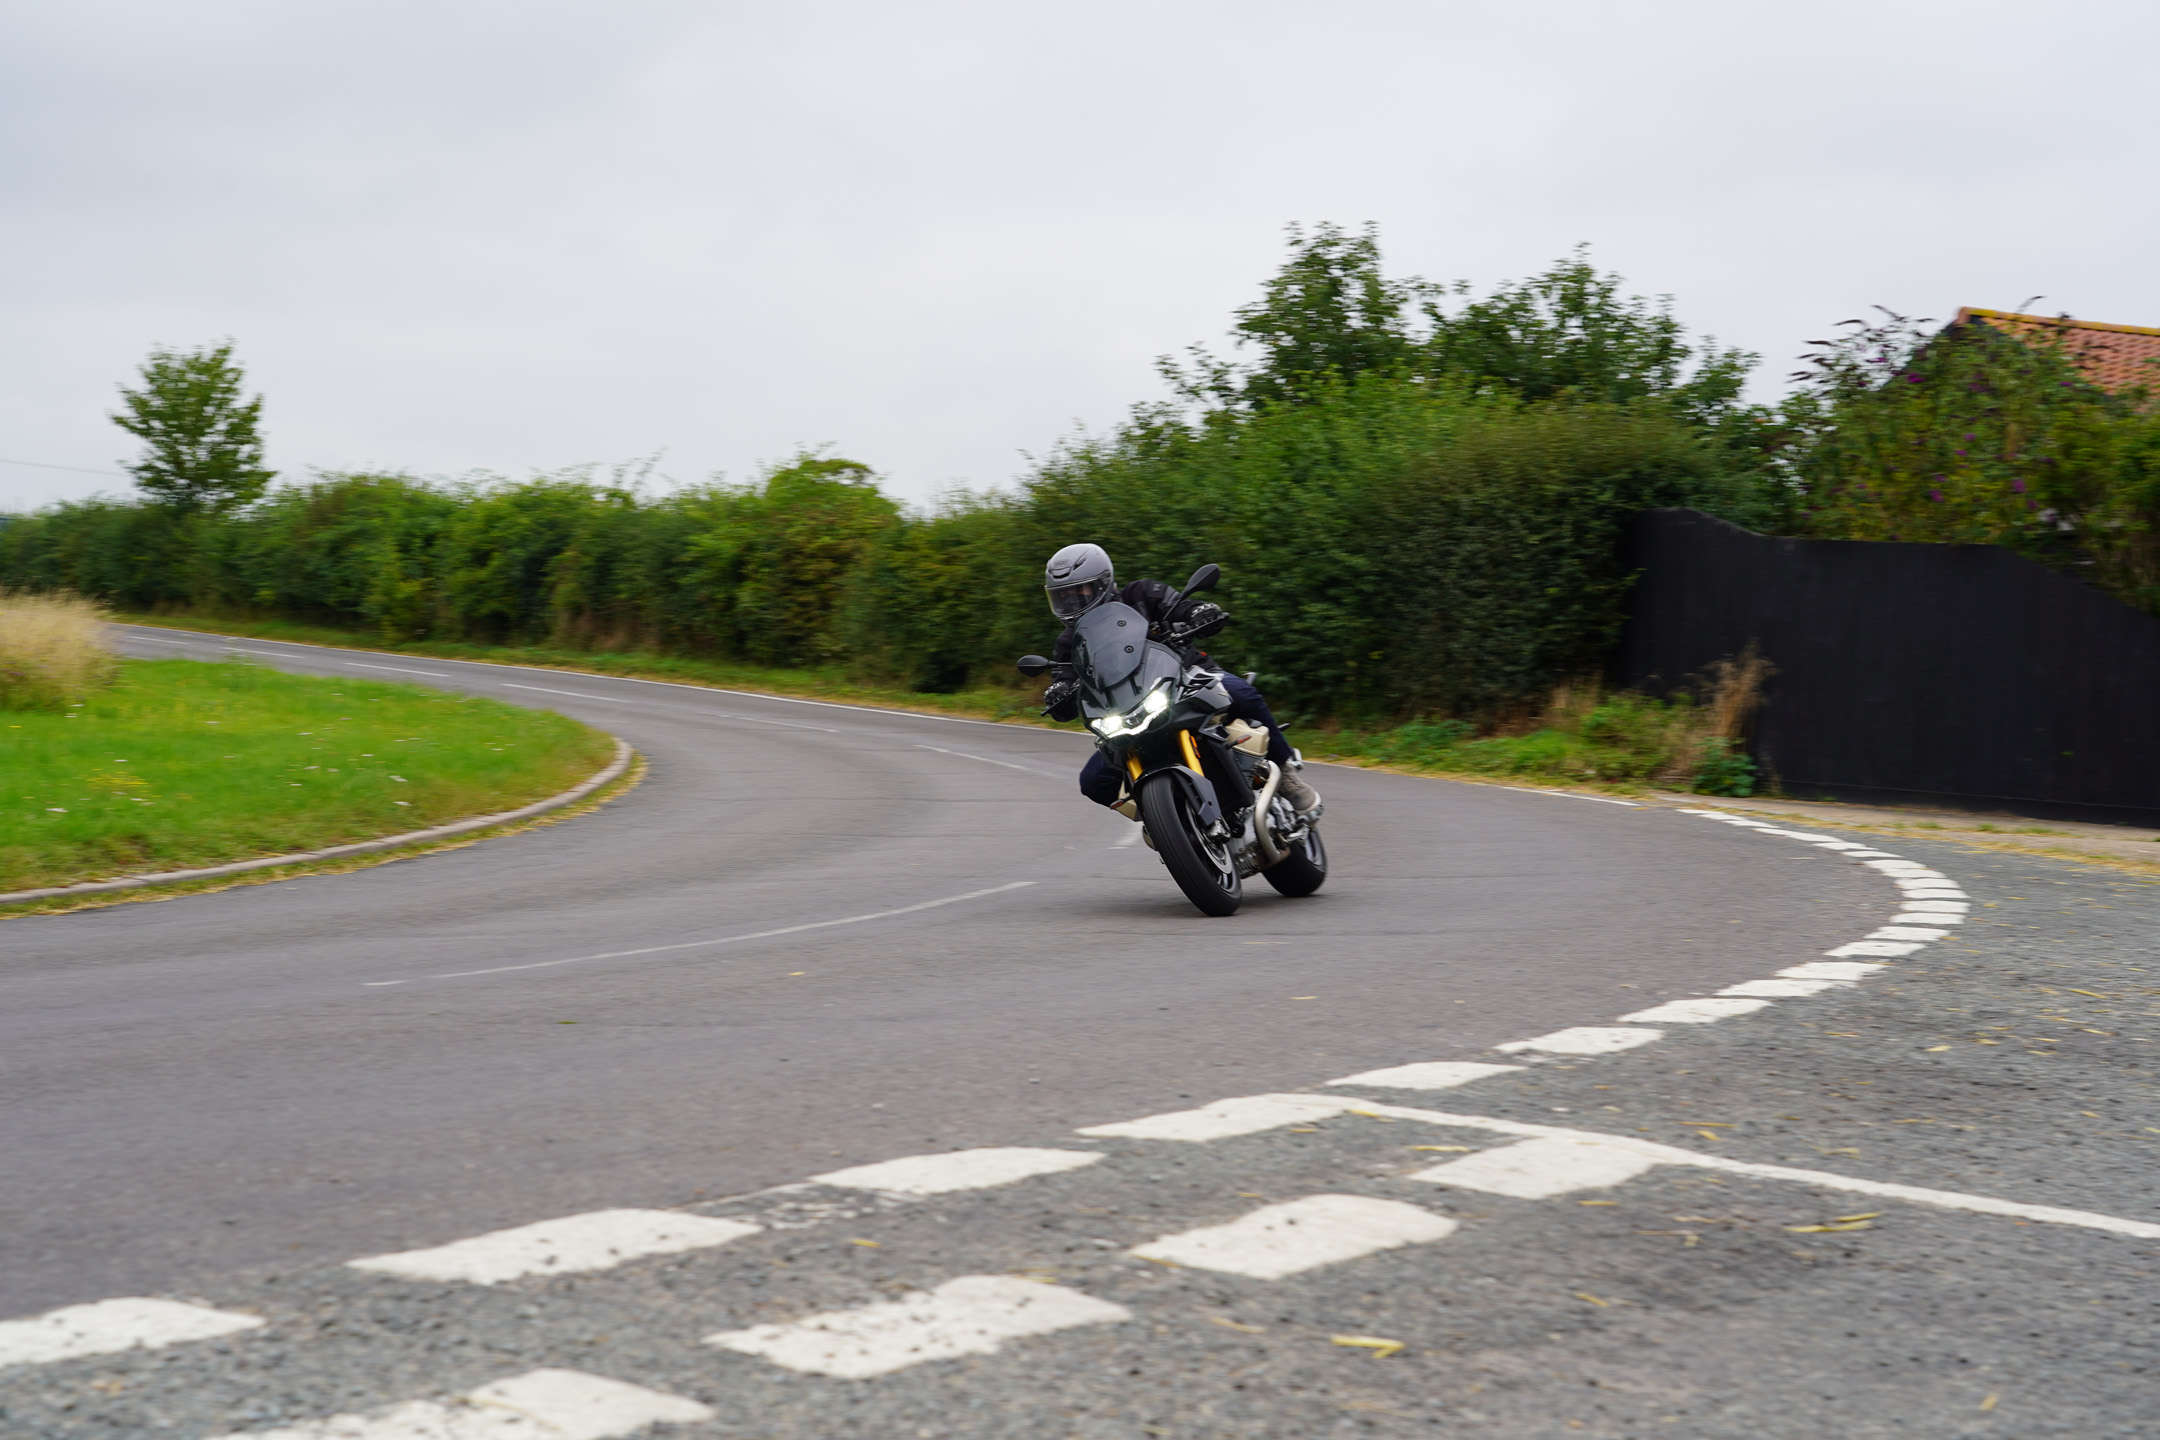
[1136,719]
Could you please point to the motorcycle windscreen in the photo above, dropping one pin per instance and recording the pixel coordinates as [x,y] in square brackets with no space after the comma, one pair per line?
[1109,643]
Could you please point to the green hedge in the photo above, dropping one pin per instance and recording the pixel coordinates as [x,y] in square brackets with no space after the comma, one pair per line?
[1390,544]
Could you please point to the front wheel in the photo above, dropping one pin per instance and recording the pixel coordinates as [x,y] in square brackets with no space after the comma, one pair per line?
[1303,870]
[1203,869]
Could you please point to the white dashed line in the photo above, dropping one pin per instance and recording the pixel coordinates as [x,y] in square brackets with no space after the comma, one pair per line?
[720,940]
[958,1170]
[600,1240]
[1890,949]
[1785,989]
[1585,1040]
[1303,1234]
[574,694]
[1245,1115]
[973,1315]
[538,1405]
[1695,1012]
[107,1326]
[1429,1075]
[1831,970]
[1539,1169]
[400,669]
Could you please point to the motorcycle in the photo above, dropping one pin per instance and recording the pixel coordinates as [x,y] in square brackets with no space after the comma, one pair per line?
[1206,797]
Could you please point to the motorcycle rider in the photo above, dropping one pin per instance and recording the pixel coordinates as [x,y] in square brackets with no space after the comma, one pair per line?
[1080,577]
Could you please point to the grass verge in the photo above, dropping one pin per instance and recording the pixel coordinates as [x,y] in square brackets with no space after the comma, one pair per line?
[183,764]
[1615,743]
[311,869]
[814,683]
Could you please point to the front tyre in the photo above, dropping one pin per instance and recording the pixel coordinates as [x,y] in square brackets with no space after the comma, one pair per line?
[1303,870]
[1205,871]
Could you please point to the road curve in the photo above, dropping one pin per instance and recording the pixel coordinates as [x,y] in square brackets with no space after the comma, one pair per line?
[815,936]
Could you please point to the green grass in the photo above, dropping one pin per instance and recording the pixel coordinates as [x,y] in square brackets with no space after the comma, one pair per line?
[183,763]
[987,702]
[1620,742]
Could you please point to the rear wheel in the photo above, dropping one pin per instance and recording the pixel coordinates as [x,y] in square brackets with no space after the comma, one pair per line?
[1303,870]
[1203,869]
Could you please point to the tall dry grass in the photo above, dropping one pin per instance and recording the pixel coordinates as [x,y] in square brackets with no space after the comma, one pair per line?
[52,651]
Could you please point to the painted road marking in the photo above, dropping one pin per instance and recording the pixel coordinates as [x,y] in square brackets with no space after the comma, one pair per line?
[1130,838]
[1430,1075]
[1538,1169]
[1568,795]
[538,1405]
[1694,1012]
[973,1315]
[1585,1040]
[1244,1115]
[1280,1240]
[759,720]
[985,759]
[1827,1179]
[958,1170]
[400,669]
[1784,989]
[720,940]
[1959,908]
[105,1326]
[574,694]
[1891,948]
[1906,932]
[600,1240]
[1831,970]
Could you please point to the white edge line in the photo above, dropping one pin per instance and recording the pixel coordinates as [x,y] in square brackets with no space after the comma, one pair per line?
[1570,795]
[718,940]
[614,768]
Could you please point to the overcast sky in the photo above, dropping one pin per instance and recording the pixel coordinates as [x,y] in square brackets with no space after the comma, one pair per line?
[474,234]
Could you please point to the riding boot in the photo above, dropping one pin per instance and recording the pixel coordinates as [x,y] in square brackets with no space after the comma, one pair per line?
[1302,797]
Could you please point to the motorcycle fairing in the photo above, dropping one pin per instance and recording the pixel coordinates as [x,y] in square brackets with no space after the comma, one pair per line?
[1110,641]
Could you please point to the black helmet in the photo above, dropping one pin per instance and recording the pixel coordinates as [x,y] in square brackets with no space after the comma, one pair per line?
[1078,577]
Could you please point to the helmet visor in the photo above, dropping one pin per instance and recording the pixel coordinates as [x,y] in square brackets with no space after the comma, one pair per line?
[1067,601]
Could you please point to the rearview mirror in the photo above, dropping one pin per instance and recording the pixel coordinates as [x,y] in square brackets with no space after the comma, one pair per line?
[1203,578]
[1032,665]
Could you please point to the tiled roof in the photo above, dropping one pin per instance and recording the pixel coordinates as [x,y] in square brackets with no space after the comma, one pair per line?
[2115,357]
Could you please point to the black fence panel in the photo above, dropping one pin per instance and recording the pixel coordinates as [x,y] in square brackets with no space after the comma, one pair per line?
[1964,675]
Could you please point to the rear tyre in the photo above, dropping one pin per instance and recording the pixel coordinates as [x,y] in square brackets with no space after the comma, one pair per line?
[1303,870]
[1205,871]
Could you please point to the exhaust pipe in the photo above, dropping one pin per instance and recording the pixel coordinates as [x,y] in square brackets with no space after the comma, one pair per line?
[1265,798]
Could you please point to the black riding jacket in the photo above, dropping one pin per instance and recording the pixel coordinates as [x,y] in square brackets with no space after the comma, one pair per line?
[1151,598]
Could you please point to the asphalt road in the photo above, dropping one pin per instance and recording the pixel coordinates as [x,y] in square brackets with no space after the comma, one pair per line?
[817,937]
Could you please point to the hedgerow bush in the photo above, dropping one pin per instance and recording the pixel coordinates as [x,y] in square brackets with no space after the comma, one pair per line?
[1416,510]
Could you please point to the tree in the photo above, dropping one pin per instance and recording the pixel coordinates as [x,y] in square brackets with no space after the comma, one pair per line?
[204,449]
[1978,435]
[1570,334]
[1328,314]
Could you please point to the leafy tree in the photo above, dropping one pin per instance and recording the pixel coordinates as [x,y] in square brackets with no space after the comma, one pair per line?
[1570,334]
[204,448]
[1329,313]
[1978,436]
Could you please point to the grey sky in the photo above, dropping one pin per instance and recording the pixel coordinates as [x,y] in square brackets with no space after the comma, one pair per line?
[512,236]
